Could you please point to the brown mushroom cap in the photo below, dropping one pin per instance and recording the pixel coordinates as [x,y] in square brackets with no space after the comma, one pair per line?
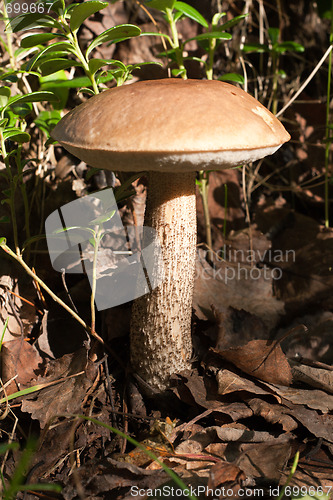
[170,125]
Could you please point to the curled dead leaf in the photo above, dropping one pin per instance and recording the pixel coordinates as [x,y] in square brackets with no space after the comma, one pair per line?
[261,359]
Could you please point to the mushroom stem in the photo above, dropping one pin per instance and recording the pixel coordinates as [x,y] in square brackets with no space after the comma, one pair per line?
[161,341]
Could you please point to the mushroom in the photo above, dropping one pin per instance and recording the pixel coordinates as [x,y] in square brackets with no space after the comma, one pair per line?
[170,128]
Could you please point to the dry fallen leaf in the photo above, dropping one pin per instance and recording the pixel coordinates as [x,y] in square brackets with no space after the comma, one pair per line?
[219,285]
[319,425]
[265,460]
[224,473]
[273,414]
[311,375]
[21,360]
[261,359]
[229,381]
[99,479]
[67,395]
[312,398]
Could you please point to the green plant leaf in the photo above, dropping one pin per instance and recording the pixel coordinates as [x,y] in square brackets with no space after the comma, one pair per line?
[231,23]
[102,218]
[153,33]
[125,195]
[162,5]
[8,446]
[85,90]
[12,118]
[255,47]
[4,219]
[47,83]
[33,239]
[57,64]
[178,72]
[217,17]
[82,11]
[273,34]
[6,192]
[37,39]
[3,242]
[57,47]
[191,12]
[46,120]
[50,141]
[29,21]
[131,67]
[4,96]
[96,64]
[177,16]
[58,6]
[80,81]
[57,54]
[289,46]
[170,54]
[33,97]
[232,77]
[3,123]
[115,34]
[110,75]
[65,229]
[22,108]
[11,76]
[16,135]
[211,35]
[70,7]
[193,58]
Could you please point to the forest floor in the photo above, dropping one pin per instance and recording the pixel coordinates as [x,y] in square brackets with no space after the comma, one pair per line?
[261,389]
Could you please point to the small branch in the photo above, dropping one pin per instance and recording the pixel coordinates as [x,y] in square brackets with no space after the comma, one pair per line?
[309,78]
[19,259]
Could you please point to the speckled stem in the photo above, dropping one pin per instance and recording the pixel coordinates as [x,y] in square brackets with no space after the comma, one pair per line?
[161,341]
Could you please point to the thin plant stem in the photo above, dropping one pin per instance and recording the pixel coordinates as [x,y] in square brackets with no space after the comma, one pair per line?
[3,332]
[74,41]
[97,240]
[175,43]
[24,197]
[9,37]
[291,474]
[225,211]
[19,259]
[204,176]
[210,62]
[12,187]
[204,186]
[306,82]
[328,129]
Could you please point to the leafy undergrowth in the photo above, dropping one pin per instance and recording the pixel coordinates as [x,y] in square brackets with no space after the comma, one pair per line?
[261,389]
[235,421]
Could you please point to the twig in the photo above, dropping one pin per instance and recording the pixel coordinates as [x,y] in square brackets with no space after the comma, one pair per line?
[309,78]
